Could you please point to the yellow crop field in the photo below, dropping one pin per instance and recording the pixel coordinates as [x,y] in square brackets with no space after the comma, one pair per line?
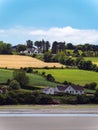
[95,63]
[17,61]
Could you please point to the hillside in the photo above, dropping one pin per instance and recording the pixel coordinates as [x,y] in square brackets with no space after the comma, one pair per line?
[76,76]
[93,59]
[17,61]
[34,79]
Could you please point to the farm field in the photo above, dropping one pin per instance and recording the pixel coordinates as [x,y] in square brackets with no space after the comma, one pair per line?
[34,79]
[72,75]
[17,61]
[93,59]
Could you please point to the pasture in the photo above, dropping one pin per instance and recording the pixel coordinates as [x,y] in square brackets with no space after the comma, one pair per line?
[17,61]
[34,79]
[93,59]
[76,76]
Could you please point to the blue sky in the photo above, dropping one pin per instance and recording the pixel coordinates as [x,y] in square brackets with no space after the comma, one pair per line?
[37,19]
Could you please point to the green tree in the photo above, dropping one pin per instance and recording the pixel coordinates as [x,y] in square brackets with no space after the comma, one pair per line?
[21,47]
[85,65]
[70,46]
[55,47]
[49,77]
[21,77]
[14,85]
[29,43]
[47,56]
[5,48]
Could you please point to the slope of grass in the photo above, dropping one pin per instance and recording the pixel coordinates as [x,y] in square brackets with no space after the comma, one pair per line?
[72,75]
[35,80]
[93,59]
[5,75]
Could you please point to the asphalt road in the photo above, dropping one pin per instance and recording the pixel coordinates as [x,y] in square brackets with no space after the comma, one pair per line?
[48,123]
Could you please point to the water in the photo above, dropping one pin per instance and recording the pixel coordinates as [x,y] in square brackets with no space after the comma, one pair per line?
[4,114]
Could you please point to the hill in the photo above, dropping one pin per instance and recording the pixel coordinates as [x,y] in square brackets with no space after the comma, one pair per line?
[93,59]
[35,80]
[76,76]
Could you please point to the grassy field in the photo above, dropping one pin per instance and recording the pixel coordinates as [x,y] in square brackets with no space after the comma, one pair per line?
[72,75]
[35,80]
[93,59]
[17,61]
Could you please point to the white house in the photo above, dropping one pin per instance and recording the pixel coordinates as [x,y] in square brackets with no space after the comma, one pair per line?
[33,50]
[48,90]
[71,89]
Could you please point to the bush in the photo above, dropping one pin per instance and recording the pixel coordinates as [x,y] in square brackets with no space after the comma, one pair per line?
[14,85]
[49,77]
[91,86]
[21,77]
[44,99]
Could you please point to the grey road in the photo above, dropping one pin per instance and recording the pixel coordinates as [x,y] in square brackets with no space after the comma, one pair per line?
[48,123]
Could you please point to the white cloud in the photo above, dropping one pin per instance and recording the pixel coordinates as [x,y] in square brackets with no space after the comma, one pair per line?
[67,34]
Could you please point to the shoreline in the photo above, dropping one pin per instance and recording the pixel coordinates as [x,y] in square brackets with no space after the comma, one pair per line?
[49,109]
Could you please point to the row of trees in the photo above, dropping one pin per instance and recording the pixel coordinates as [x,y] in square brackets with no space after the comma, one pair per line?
[87,49]
[79,62]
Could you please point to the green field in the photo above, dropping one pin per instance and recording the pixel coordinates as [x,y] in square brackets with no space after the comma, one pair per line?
[93,59]
[72,75]
[76,76]
[34,79]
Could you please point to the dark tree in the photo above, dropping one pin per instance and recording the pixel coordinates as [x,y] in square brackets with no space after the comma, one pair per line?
[21,47]
[47,57]
[55,47]
[70,46]
[5,48]
[50,78]
[29,43]
[43,45]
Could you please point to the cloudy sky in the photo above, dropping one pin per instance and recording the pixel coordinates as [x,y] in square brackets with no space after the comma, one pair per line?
[73,21]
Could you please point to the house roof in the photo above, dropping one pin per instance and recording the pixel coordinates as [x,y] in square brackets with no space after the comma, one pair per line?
[61,88]
[75,87]
[46,89]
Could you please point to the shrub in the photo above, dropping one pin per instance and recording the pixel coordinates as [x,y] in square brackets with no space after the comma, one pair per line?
[21,77]
[91,86]
[49,77]
[14,85]
[44,99]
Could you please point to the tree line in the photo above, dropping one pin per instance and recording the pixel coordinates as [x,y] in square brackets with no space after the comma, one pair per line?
[55,47]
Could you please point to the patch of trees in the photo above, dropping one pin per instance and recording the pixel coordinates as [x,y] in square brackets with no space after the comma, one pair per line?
[43,45]
[91,86]
[20,47]
[21,97]
[79,62]
[87,50]
[5,48]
